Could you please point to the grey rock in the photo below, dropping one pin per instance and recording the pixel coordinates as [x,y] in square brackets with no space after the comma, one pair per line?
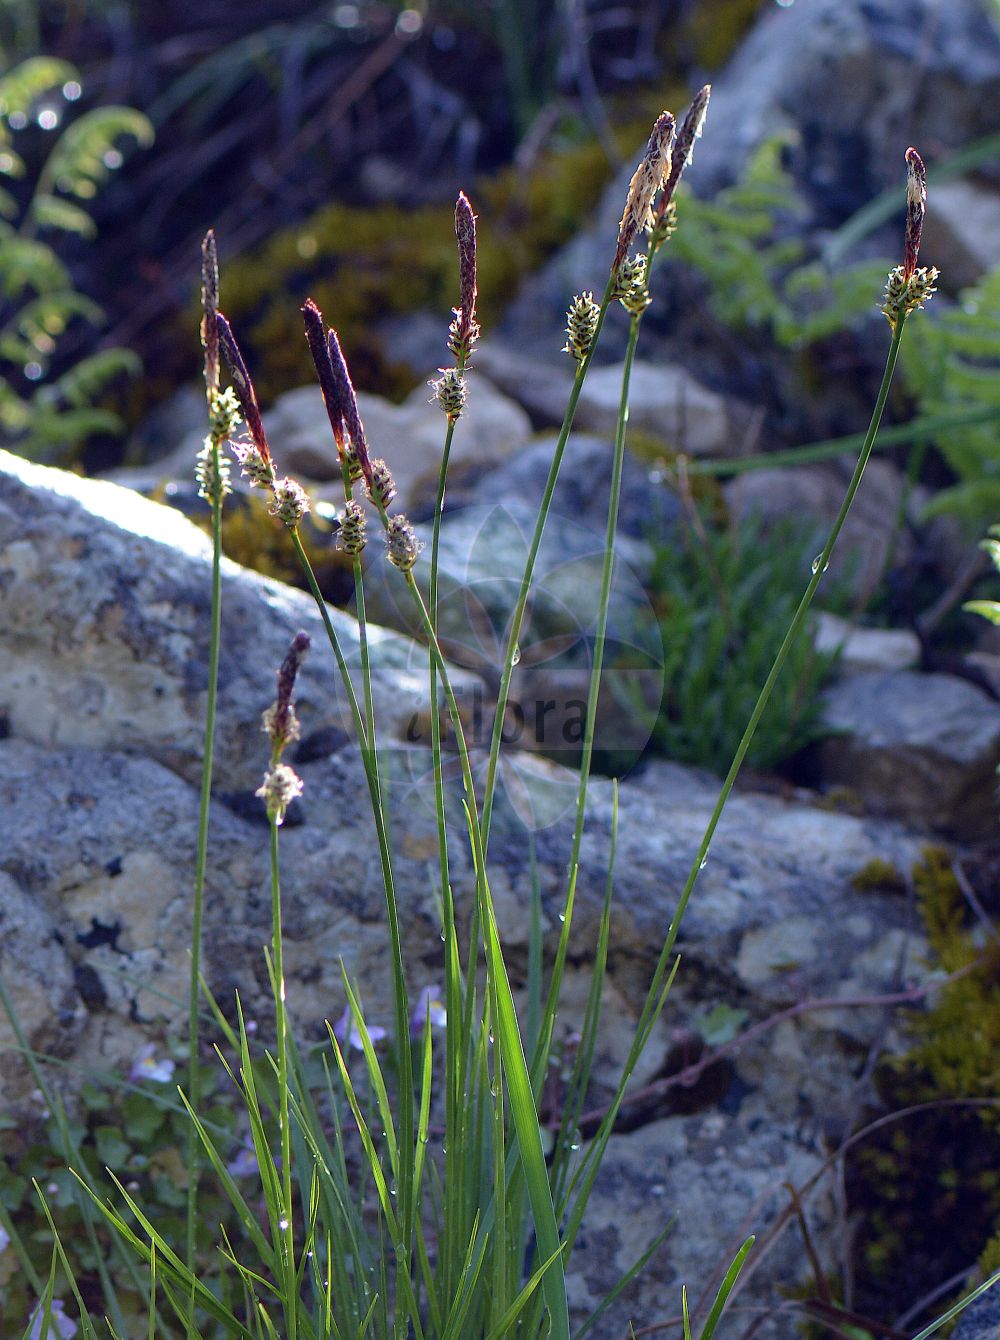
[981,1319]
[858,81]
[669,403]
[922,748]
[863,649]
[648,511]
[741,1169]
[962,231]
[106,624]
[813,494]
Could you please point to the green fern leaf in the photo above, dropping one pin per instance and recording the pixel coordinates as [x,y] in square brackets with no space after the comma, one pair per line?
[33,331]
[11,163]
[88,378]
[22,86]
[50,211]
[78,163]
[26,264]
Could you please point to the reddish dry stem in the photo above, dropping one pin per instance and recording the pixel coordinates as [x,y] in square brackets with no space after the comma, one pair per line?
[244,387]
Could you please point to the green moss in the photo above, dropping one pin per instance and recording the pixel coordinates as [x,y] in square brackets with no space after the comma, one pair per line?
[362,265]
[716,30]
[928,1183]
[878,875]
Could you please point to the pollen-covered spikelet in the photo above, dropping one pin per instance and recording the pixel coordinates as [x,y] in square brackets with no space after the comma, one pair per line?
[581,326]
[450,392]
[401,543]
[352,535]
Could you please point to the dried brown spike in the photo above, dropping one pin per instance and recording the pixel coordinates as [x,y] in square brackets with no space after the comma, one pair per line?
[916,207]
[316,339]
[244,387]
[210,306]
[465,328]
[648,177]
[287,672]
[348,402]
[683,151]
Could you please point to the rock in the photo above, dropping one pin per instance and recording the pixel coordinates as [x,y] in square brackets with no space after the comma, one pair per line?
[482,556]
[981,1319]
[36,970]
[922,748]
[106,625]
[862,649]
[541,385]
[742,1171]
[409,436]
[669,403]
[962,231]
[810,68]
[648,511]
[813,494]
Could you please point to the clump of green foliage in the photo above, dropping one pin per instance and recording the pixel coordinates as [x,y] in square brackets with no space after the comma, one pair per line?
[724,599]
[951,367]
[139,1132]
[759,275]
[50,419]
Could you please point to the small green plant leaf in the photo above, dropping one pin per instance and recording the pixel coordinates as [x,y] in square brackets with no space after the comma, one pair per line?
[85,154]
[51,211]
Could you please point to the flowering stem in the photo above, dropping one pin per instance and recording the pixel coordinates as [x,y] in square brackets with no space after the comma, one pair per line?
[510,656]
[285,1226]
[197,912]
[819,568]
[369,757]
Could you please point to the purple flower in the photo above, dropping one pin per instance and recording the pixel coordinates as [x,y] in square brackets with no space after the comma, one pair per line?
[60,1326]
[428,1005]
[347,1033]
[148,1066]
[243,1163]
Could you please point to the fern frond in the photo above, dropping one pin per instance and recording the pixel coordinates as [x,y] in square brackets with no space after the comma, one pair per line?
[26,264]
[32,331]
[11,163]
[88,378]
[54,433]
[52,211]
[22,86]
[78,163]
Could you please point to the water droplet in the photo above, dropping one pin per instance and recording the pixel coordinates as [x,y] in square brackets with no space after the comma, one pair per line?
[562,916]
[515,656]
[283,1224]
[71,90]
[704,862]
[112,159]
[817,561]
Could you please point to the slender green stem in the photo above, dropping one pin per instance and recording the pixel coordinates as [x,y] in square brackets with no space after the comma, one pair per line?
[371,766]
[201,861]
[510,656]
[286,1226]
[820,564]
[600,639]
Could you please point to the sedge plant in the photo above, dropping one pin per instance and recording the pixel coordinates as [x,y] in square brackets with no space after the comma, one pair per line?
[408,1192]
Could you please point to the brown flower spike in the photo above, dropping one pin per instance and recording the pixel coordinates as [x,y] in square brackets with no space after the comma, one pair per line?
[328,383]
[210,305]
[648,177]
[683,149]
[348,402]
[916,208]
[244,389]
[464,330]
